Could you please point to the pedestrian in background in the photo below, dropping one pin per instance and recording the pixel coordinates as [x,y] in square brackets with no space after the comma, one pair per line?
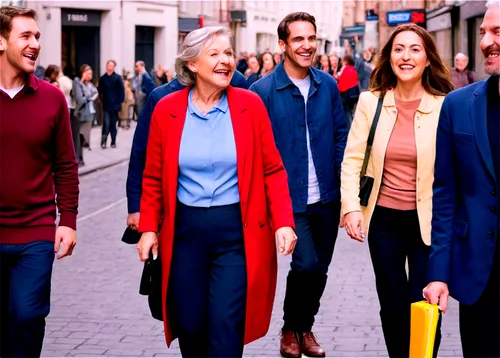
[51,73]
[223,203]
[334,65]
[242,65]
[160,76]
[460,75]
[253,70]
[127,111]
[85,94]
[465,253]
[309,127]
[349,88]
[39,176]
[268,64]
[66,86]
[142,85]
[411,80]
[325,64]
[112,92]
[277,58]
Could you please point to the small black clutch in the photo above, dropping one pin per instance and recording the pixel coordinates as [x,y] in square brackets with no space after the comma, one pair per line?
[131,237]
[365,189]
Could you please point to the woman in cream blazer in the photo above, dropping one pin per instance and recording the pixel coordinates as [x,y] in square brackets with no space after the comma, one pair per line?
[412,80]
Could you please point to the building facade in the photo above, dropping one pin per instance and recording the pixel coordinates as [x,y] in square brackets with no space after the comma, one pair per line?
[196,14]
[455,27]
[93,32]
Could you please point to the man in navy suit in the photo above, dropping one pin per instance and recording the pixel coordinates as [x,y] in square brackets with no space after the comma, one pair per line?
[138,154]
[465,248]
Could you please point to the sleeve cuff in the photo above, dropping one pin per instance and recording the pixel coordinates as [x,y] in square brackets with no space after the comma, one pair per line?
[134,205]
[347,208]
[68,219]
[147,226]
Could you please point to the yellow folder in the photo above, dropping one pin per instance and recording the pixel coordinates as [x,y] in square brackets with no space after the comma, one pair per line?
[424,319]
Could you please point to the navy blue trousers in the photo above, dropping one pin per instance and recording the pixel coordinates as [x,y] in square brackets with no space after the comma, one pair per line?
[208,281]
[316,229]
[109,126]
[26,271]
[393,238]
[480,322]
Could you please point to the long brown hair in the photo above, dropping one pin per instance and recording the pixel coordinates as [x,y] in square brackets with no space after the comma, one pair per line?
[436,78]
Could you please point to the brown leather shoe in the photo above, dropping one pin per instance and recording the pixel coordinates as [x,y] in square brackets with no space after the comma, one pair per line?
[289,345]
[311,347]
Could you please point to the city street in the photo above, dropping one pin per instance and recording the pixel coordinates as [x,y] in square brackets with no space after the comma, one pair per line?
[97,311]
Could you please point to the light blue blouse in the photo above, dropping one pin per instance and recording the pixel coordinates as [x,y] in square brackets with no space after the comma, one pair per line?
[207,158]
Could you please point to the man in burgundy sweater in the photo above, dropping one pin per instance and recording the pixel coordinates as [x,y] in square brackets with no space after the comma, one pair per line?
[37,164]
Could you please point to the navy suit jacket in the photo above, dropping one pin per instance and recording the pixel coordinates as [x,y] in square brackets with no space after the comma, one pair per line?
[465,198]
[138,153]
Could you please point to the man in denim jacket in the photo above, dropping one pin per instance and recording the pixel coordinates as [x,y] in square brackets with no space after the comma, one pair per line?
[309,127]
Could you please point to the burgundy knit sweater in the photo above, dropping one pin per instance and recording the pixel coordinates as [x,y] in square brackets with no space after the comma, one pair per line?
[37,162]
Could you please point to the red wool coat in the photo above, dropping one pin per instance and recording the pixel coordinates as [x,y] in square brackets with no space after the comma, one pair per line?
[264,197]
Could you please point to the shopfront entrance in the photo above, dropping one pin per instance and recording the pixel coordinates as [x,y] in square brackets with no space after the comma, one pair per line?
[80,43]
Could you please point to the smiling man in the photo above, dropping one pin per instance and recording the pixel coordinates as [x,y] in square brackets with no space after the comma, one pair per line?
[309,127]
[465,248]
[37,163]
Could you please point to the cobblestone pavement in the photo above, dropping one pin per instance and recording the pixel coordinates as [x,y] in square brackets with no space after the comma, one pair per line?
[97,311]
[96,158]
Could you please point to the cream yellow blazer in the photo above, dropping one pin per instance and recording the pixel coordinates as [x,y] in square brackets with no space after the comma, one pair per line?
[426,121]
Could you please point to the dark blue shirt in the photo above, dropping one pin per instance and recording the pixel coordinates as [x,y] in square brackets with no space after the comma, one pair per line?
[138,153]
[325,121]
[112,91]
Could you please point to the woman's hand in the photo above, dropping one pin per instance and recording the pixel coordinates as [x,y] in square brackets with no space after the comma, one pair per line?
[148,241]
[286,240]
[354,223]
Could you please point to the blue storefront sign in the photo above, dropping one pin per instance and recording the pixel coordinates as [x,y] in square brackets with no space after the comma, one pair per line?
[395,18]
[371,15]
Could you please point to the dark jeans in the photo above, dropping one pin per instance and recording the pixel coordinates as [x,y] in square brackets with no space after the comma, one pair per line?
[349,105]
[75,132]
[109,126]
[26,271]
[208,281]
[393,238]
[480,322]
[316,230]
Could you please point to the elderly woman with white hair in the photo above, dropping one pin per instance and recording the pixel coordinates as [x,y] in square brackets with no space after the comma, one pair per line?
[216,191]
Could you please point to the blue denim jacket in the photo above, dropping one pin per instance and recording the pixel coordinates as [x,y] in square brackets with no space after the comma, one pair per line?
[138,153]
[327,129]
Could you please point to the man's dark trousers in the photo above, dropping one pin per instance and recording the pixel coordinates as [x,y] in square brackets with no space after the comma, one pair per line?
[316,229]
[480,322]
[26,271]
[109,126]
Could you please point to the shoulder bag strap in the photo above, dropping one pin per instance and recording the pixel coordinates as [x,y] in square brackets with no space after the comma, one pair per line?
[371,136]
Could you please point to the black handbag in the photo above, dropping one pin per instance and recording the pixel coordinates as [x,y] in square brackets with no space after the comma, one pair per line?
[151,286]
[366,182]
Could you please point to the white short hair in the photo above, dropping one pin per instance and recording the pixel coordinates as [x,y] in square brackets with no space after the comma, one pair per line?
[461,56]
[491,3]
[191,48]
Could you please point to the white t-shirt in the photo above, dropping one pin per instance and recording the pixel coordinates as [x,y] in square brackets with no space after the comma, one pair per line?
[313,194]
[12,92]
